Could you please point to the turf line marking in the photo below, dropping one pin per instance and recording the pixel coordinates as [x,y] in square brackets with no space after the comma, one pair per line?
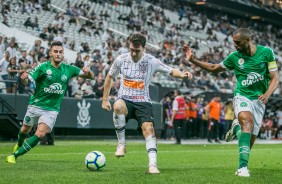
[136,152]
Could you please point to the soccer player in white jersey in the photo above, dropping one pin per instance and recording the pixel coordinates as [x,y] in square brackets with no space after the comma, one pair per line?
[257,78]
[51,80]
[136,69]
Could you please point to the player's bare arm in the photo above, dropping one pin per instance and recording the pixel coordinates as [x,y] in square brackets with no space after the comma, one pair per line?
[183,75]
[273,84]
[107,87]
[214,68]
[87,73]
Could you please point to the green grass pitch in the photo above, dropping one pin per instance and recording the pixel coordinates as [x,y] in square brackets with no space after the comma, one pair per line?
[212,163]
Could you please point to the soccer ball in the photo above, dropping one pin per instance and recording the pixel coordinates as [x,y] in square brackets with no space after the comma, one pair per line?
[95,160]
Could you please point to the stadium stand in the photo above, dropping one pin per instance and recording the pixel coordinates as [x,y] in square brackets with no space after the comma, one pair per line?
[93,25]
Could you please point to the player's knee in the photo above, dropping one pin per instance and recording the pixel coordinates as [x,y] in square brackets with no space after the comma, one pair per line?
[40,133]
[119,108]
[25,131]
[147,128]
[247,124]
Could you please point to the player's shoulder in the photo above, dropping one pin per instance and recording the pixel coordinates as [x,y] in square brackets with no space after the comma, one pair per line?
[41,67]
[67,65]
[44,64]
[234,54]
[264,48]
[70,67]
[149,57]
[123,57]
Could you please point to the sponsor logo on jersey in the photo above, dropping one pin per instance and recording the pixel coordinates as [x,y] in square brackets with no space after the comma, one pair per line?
[133,84]
[64,78]
[133,97]
[243,104]
[140,77]
[252,78]
[55,88]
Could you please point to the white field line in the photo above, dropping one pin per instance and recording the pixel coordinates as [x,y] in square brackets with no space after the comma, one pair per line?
[136,152]
[141,142]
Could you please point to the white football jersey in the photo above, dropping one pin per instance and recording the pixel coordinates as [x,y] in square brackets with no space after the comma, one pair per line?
[136,77]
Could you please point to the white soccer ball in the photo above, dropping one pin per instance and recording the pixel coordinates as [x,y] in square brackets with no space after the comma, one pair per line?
[95,160]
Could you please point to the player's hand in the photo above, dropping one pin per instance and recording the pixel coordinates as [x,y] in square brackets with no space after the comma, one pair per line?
[263,98]
[187,75]
[85,70]
[188,52]
[24,76]
[106,105]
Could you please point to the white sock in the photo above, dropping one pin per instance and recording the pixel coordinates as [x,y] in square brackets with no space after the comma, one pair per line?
[151,146]
[119,122]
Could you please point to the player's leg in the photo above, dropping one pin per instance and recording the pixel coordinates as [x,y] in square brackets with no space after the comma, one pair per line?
[151,146]
[244,112]
[120,112]
[246,121]
[259,109]
[29,120]
[23,134]
[46,123]
[42,130]
[144,116]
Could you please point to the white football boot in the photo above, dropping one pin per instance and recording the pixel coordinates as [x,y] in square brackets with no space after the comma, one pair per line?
[243,172]
[121,150]
[230,135]
[153,169]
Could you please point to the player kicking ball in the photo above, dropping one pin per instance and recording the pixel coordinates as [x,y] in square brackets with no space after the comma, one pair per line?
[136,69]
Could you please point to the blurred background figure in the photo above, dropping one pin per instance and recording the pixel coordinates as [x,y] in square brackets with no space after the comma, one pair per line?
[214,108]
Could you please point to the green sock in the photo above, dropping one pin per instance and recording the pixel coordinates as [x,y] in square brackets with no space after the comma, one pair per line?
[238,131]
[21,138]
[244,149]
[28,144]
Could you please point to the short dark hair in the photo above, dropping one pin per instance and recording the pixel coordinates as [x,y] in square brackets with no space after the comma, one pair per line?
[57,43]
[243,32]
[137,39]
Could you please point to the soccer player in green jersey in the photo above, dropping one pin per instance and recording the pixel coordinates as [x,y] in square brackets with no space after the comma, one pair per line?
[51,80]
[257,78]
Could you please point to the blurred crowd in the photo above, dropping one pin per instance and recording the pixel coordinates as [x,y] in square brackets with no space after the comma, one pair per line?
[100,58]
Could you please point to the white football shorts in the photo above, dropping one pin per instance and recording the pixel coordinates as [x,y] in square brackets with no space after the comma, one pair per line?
[36,115]
[256,107]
